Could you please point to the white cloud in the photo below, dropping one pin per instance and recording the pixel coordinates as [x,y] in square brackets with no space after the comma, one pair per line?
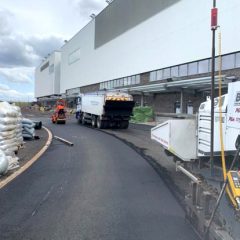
[19,74]
[13,95]
[4,87]
[5,22]
[86,8]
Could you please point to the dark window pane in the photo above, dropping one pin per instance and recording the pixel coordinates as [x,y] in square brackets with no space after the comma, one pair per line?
[203,66]
[137,79]
[228,62]
[237,59]
[159,74]
[133,80]
[125,81]
[153,76]
[174,71]
[183,70]
[166,73]
[192,68]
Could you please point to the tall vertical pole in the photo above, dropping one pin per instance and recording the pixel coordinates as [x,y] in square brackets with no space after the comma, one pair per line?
[213,28]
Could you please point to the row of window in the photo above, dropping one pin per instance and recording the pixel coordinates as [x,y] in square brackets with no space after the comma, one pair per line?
[121,82]
[229,61]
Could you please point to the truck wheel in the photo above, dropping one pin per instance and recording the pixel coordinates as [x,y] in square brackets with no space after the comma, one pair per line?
[124,124]
[94,123]
[80,117]
[84,121]
[100,123]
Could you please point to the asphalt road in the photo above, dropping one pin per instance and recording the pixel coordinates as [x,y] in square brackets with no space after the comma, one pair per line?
[98,189]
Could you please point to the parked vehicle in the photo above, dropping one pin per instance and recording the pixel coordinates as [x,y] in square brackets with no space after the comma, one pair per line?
[105,109]
[190,139]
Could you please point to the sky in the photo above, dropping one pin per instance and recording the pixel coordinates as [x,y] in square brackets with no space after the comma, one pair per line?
[29,31]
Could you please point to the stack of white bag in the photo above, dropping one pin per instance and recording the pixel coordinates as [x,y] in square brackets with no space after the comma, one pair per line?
[10,134]
[28,130]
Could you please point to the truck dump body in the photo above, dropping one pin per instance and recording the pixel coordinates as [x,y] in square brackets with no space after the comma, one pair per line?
[118,108]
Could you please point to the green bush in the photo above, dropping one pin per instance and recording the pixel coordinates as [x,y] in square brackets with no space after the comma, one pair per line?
[142,114]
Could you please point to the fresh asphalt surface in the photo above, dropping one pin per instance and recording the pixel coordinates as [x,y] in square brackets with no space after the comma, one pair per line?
[98,189]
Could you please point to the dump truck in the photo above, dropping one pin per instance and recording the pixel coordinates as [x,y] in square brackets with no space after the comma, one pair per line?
[105,109]
[59,115]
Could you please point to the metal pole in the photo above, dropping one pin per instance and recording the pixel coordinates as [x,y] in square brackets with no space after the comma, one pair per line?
[64,141]
[181,103]
[212,98]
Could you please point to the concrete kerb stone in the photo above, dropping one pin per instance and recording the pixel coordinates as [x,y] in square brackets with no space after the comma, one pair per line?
[30,162]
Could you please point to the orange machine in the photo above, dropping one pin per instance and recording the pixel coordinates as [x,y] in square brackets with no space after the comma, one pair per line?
[59,115]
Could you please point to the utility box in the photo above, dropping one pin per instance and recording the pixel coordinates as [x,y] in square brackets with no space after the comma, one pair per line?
[178,137]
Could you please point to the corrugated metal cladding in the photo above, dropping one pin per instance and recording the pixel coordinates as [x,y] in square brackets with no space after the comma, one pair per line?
[123,15]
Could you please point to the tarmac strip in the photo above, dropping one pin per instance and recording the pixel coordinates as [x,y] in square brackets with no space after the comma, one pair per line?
[30,162]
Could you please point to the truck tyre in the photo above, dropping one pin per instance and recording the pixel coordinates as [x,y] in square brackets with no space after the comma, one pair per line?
[84,121]
[100,123]
[94,122]
[124,124]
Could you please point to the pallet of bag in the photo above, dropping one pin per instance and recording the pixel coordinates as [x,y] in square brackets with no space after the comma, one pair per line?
[10,134]
[28,130]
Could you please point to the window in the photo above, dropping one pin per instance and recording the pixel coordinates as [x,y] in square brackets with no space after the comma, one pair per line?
[121,82]
[125,81]
[237,59]
[166,73]
[137,79]
[153,76]
[183,70]
[129,80]
[133,80]
[74,56]
[115,83]
[105,85]
[174,71]
[228,62]
[203,66]
[159,74]
[193,68]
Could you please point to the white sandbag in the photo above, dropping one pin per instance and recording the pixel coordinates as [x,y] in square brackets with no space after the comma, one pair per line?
[6,110]
[29,130]
[11,150]
[9,146]
[6,136]
[8,120]
[12,162]
[8,141]
[7,133]
[27,136]
[27,121]
[4,128]
[3,163]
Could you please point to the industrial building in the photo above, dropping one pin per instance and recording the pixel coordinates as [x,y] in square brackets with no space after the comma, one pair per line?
[159,51]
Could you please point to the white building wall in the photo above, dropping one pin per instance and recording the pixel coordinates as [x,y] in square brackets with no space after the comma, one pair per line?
[47,81]
[178,34]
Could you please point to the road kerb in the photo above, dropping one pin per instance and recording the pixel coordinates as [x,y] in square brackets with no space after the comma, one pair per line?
[30,162]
